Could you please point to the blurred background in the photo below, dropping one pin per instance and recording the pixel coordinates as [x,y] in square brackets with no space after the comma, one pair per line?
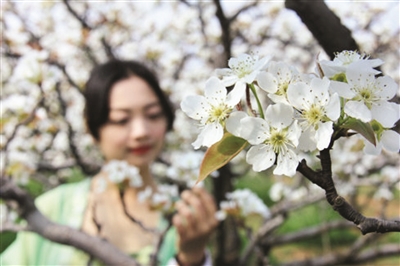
[49,47]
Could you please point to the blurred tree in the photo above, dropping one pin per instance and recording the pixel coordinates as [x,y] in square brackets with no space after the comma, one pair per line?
[48,49]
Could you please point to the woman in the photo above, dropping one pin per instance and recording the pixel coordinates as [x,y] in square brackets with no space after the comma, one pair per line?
[128,115]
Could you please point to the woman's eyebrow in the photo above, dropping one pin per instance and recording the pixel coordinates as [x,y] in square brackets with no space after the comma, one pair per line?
[146,107]
[151,105]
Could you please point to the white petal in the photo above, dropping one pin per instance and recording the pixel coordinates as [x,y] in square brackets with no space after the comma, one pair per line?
[235,95]
[261,63]
[299,95]
[294,133]
[332,109]
[286,164]
[253,129]
[279,115]
[215,91]
[361,79]
[307,140]
[366,66]
[211,134]
[323,135]
[370,149]
[358,110]
[195,106]
[227,76]
[341,88]
[267,82]
[391,140]
[278,98]
[233,124]
[388,86]
[386,113]
[261,157]
[249,78]
[319,89]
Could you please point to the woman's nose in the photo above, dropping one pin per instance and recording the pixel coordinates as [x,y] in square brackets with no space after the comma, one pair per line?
[139,128]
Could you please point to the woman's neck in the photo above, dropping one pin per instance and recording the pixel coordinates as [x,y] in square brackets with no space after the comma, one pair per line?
[147,177]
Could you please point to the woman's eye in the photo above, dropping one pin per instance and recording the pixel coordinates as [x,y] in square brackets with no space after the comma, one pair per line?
[119,121]
[155,116]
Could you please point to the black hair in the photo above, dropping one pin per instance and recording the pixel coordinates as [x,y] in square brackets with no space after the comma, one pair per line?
[98,87]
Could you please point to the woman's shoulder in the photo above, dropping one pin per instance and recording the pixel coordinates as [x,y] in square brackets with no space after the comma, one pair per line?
[76,188]
[65,201]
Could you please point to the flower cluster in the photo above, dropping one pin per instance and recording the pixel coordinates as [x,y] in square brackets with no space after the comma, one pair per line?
[120,172]
[241,203]
[308,111]
[162,199]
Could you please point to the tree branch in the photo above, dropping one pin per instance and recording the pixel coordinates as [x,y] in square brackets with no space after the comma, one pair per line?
[62,234]
[225,24]
[324,25]
[324,180]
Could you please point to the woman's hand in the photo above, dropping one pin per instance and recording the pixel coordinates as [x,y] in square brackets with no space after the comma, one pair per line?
[195,221]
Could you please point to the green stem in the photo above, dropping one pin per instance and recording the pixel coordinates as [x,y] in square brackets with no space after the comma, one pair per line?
[260,109]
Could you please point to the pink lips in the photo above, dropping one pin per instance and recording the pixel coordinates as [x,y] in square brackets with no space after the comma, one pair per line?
[141,150]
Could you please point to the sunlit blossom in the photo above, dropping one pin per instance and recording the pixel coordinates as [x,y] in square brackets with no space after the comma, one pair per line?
[119,171]
[161,199]
[242,70]
[317,109]
[385,137]
[274,139]
[367,97]
[336,69]
[276,80]
[241,203]
[211,110]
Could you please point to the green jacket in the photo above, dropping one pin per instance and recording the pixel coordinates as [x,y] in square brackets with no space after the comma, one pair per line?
[66,205]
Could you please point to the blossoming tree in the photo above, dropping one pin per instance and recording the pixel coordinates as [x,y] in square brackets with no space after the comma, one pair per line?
[261,95]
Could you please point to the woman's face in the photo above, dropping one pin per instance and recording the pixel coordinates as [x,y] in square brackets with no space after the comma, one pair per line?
[136,124]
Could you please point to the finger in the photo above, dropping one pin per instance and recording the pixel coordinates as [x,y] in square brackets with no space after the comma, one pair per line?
[195,202]
[187,215]
[207,201]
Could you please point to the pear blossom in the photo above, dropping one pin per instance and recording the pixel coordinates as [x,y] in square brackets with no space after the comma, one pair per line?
[274,138]
[317,109]
[367,97]
[163,198]
[211,110]
[119,171]
[276,80]
[385,138]
[241,203]
[31,67]
[344,60]
[389,140]
[242,70]
[185,166]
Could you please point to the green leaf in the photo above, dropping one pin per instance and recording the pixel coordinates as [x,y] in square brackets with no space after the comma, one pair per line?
[220,154]
[364,129]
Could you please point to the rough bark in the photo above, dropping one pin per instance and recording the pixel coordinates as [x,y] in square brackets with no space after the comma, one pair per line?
[324,25]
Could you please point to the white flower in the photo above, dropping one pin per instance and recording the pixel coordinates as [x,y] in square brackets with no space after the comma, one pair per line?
[164,198]
[119,171]
[185,166]
[211,110]
[317,110]
[368,97]
[31,67]
[349,60]
[275,138]
[242,70]
[385,138]
[242,203]
[145,194]
[276,80]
